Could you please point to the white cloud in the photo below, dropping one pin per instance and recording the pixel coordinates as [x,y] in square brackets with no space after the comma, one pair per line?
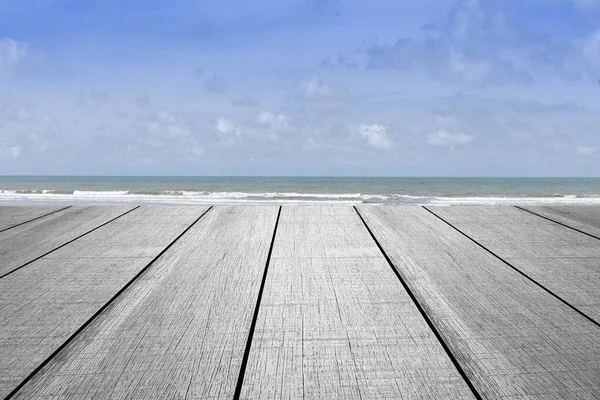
[15,151]
[197,151]
[93,98]
[275,121]
[11,54]
[143,101]
[376,136]
[11,152]
[178,131]
[194,148]
[446,121]
[470,71]
[445,138]
[585,150]
[17,113]
[145,140]
[225,125]
[591,49]
[153,127]
[475,44]
[164,116]
[316,89]
[309,144]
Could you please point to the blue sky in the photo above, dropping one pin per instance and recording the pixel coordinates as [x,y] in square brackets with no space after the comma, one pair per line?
[300,87]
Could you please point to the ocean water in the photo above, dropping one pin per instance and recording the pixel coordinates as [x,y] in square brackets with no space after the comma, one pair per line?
[297,190]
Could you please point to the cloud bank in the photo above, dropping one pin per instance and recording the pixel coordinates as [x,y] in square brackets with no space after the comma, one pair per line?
[470,87]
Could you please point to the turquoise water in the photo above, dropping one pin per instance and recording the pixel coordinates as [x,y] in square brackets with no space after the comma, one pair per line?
[190,190]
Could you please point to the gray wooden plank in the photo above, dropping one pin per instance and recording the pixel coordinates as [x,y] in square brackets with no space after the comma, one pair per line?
[585,217]
[180,330]
[15,215]
[336,323]
[44,304]
[560,259]
[511,337]
[27,242]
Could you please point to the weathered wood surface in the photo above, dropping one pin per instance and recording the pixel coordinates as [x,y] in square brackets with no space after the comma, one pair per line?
[42,305]
[15,215]
[511,337]
[180,330]
[584,218]
[562,260]
[27,242]
[336,323]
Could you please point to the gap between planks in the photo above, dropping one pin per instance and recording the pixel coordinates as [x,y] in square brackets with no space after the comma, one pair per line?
[105,306]
[240,381]
[35,219]
[69,242]
[421,310]
[556,222]
[518,270]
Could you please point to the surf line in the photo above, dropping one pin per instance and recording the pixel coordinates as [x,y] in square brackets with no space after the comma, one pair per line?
[428,320]
[102,309]
[240,381]
[593,321]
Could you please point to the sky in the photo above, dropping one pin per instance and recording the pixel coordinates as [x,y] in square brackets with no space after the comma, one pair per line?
[300,87]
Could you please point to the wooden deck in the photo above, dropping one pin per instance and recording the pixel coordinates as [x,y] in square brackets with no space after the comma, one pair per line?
[252,302]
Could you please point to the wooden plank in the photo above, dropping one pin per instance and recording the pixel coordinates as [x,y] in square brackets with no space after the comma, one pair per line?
[180,330]
[335,322]
[511,337]
[560,259]
[44,304]
[27,242]
[584,218]
[17,215]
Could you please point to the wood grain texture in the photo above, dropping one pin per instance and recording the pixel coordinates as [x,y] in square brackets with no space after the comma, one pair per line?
[14,215]
[336,323]
[584,218]
[512,338]
[180,330]
[44,304]
[22,244]
[562,260]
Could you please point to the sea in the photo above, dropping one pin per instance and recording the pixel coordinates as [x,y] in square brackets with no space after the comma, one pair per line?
[296,190]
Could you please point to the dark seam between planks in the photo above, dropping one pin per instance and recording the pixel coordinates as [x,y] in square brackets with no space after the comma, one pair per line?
[101,310]
[69,242]
[557,222]
[593,321]
[422,311]
[240,381]
[36,218]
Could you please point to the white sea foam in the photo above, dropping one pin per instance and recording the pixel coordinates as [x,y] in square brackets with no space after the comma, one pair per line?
[103,193]
[177,197]
[200,197]
[284,195]
[566,200]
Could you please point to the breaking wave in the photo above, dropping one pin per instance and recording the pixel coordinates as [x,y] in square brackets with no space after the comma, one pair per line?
[208,197]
